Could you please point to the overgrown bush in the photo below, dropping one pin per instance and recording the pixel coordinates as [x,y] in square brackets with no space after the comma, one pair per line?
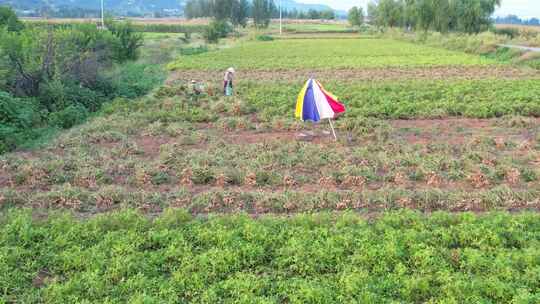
[68,117]
[57,73]
[17,112]
[510,32]
[9,19]
[170,28]
[188,51]
[505,54]
[482,43]
[16,116]
[128,40]
[265,38]
[216,30]
[132,79]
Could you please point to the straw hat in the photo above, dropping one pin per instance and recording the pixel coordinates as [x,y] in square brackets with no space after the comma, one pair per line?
[231,70]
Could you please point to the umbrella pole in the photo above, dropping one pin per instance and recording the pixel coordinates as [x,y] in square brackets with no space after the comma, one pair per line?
[332,126]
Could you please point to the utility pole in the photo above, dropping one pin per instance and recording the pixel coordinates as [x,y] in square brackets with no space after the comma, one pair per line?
[280,17]
[102,15]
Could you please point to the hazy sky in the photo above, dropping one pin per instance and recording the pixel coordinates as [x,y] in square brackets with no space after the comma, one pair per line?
[522,8]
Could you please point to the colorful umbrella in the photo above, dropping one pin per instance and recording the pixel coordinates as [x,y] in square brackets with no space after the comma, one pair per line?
[315,103]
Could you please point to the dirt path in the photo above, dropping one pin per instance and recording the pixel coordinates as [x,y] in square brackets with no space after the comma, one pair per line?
[371,74]
[520,47]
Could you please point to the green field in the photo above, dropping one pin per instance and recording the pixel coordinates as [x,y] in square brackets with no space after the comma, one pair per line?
[326,54]
[430,194]
[401,257]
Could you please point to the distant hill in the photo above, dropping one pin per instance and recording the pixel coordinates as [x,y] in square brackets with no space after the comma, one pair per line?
[293,5]
[125,7]
[118,6]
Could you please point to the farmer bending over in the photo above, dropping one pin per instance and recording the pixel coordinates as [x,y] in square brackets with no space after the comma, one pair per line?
[228,82]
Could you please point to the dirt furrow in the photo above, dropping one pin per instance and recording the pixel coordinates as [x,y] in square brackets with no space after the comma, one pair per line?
[369,74]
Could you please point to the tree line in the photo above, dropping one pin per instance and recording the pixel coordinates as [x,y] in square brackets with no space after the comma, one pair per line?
[238,11]
[356,16]
[309,14]
[235,11]
[469,16]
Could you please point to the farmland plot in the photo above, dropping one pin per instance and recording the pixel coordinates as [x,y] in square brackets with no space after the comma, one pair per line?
[326,54]
[407,99]
[434,131]
[213,154]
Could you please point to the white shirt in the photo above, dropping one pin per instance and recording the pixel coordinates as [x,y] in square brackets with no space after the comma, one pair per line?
[228,76]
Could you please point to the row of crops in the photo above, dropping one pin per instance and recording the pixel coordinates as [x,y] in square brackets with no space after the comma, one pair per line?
[410,98]
[400,257]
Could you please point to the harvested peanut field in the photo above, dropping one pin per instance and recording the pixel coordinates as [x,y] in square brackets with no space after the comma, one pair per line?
[455,136]
[147,158]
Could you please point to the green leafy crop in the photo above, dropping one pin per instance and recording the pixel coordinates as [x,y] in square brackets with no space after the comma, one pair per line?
[327,54]
[410,98]
[401,257]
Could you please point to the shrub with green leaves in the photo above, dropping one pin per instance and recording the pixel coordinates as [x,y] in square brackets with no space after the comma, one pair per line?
[508,31]
[9,20]
[70,116]
[216,30]
[265,38]
[188,51]
[61,68]
[132,79]
[128,41]
[17,117]
[170,28]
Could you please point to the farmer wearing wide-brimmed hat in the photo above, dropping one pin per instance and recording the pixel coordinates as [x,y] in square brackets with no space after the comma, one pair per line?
[228,82]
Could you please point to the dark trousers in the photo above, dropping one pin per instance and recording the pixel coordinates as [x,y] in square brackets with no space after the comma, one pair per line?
[225,83]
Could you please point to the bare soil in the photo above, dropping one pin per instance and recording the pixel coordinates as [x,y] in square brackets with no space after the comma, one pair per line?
[424,132]
[370,74]
[456,131]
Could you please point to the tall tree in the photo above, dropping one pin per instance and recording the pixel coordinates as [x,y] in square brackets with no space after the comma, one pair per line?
[390,12]
[409,14]
[474,15]
[356,16]
[425,14]
[240,12]
[470,16]
[198,9]
[222,9]
[9,19]
[373,13]
[262,12]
